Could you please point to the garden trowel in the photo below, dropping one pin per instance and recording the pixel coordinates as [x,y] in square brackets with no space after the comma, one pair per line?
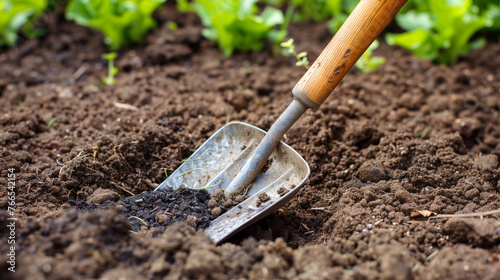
[242,159]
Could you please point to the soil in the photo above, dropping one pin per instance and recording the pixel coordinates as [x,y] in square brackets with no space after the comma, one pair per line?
[219,203]
[411,136]
[155,208]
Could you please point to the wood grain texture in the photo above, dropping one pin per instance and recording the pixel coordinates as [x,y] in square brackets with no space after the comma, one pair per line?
[360,29]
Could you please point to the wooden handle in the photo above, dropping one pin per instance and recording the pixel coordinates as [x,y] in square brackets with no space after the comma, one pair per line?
[357,33]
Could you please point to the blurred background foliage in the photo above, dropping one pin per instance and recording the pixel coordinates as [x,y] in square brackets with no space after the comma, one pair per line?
[437,30]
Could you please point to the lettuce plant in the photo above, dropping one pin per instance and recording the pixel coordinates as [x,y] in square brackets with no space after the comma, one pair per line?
[440,30]
[235,24]
[333,11]
[123,22]
[15,14]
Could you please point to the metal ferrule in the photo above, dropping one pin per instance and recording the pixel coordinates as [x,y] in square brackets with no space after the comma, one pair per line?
[302,97]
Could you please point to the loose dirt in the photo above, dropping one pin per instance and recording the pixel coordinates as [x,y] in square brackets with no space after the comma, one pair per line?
[412,135]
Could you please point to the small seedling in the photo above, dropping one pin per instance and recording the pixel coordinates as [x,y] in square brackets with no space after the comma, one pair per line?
[96,152]
[347,271]
[193,159]
[422,133]
[301,57]
[432,255]
[112,70]
[189,171]
[228,116]
[52,121]
[415,267]
[244,70]
[203,188]
[137,218]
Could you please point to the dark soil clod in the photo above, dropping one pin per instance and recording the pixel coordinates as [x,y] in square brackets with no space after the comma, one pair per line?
[162,208]
[263,197]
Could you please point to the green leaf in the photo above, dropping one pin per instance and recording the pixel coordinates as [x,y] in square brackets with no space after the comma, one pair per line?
[374,45]
[210,34]
[302,55]
[419,42]
[15,15]
[422,133]
[478,44]
[287,44]
[272,16]
[245,8]
[52,121]
[413,20]
[185,6]
[109,56]
[276,36]
[20,18]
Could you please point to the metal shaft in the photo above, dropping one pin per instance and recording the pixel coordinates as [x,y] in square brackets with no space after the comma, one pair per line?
[257,161]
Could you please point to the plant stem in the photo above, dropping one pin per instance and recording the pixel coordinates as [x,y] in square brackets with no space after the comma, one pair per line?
[111,67]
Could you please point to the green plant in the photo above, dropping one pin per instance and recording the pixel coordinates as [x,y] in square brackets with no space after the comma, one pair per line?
[166,173]
[316,10]
[422,132]
[368,63]
[203,188]
[234,24]
[301,57]
[52,4]
[492,9]
[112,70]
[139,219]
[335,11]
[123,22]
[228,116]
[52,121]
[185,6]
[277,36]
[340,10]
[193,159]
[192,170]
[440,30]
[15,14]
